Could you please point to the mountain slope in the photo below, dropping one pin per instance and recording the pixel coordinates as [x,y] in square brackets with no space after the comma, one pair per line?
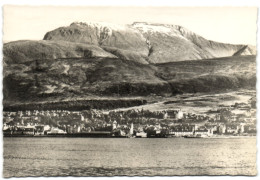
[43,79]
[209,75]
[23,51]
[122,40]
[172,43]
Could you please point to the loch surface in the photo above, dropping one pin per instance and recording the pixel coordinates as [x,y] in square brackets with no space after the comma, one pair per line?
[128,157]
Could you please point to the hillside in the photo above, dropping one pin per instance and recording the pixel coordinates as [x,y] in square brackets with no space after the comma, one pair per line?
[210,75]
[43,79]
[73,78]
[26,50]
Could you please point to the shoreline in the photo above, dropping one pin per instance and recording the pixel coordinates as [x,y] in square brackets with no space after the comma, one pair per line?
[109,136]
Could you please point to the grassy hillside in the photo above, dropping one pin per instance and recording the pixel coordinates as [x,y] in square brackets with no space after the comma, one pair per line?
[26,50]
[71,78]
[209,75]
[78,105]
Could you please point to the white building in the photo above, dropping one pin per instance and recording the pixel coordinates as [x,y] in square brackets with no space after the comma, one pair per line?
[114,125]
[203,133]
[56,131]
[179,114]
[181,133]
[165,115]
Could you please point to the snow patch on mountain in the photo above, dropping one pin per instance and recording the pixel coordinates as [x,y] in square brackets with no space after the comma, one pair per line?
[146,28]
[101,25]
[163,29]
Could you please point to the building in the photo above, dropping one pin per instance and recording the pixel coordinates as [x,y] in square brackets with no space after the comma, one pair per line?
[39,130]
[182,130]
[222,129]
[203,132]
[179,114]
[114,126]
[232,129]
[29,131]
[56,131]
[141,134]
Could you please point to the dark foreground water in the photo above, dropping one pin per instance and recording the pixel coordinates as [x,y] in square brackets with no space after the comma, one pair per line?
[110,157]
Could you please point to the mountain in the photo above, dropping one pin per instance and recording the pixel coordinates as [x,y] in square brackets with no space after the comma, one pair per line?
[123,41]
[146,42]
[93,60]
[140,42]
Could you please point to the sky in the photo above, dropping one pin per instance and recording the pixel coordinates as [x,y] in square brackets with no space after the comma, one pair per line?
[235,25]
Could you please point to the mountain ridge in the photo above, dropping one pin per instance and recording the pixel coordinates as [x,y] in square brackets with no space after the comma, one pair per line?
[151,42]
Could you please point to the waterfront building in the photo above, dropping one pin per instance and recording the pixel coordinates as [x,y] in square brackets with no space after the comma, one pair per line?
[114,125]
[222,129]
[203,132]
[29,130]
[39,130]
[131,132]
[182,130]
[141,134]
[56,131]
[5,126]
[232,129]
[242,127]
[46,128]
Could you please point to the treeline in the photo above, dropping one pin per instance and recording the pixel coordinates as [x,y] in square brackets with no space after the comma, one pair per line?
[209,83]
[212,83]
[137,89]
[78,105]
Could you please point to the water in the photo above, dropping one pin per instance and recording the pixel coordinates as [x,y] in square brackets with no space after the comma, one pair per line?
[110,157]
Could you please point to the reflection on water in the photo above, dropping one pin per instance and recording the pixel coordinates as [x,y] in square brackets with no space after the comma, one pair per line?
[110,157]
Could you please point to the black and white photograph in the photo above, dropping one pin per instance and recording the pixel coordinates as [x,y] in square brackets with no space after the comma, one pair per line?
[129,91]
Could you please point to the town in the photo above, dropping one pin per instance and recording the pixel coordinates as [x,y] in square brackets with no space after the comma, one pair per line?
[238,119]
